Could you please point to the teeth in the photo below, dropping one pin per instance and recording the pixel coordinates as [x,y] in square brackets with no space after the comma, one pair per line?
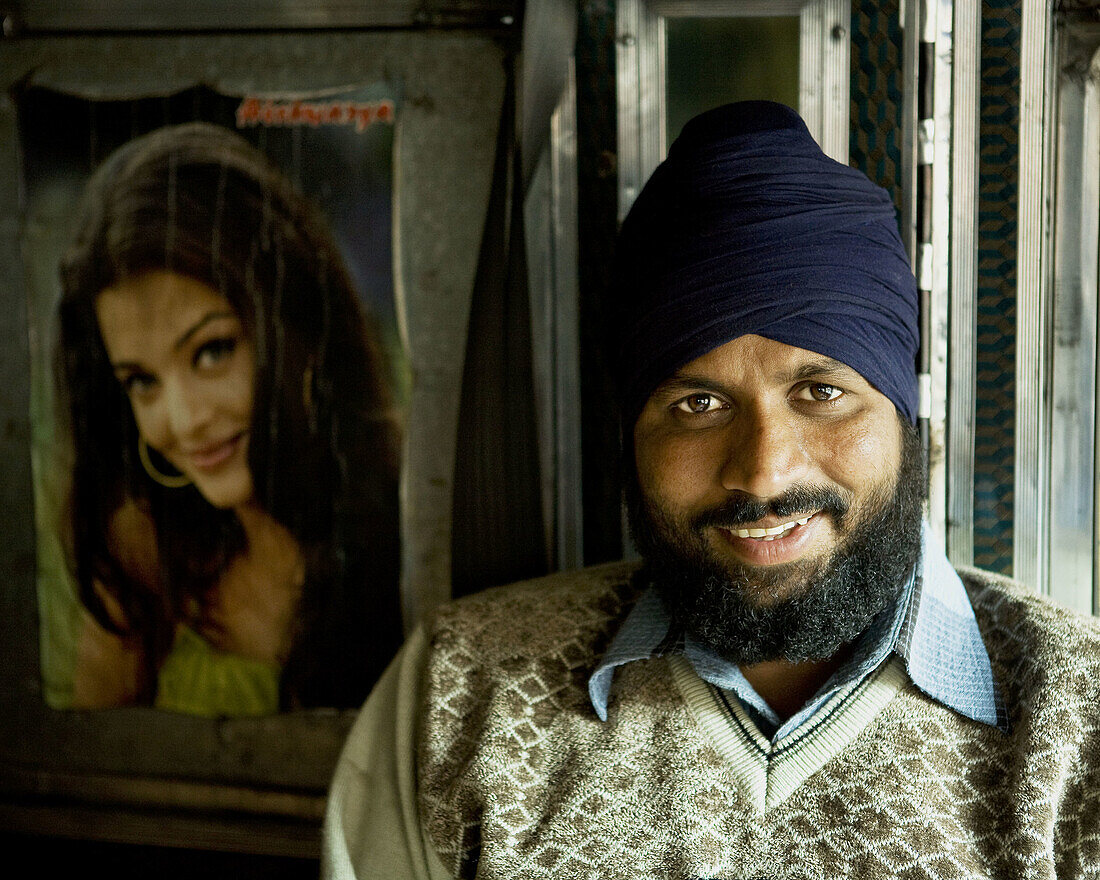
[772,533]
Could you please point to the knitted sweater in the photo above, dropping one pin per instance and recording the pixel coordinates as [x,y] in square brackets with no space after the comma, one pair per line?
[514,775]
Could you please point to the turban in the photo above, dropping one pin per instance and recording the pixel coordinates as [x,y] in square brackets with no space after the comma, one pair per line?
[748,227]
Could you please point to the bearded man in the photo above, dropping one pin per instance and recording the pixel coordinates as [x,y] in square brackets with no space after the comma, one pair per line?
[795,682]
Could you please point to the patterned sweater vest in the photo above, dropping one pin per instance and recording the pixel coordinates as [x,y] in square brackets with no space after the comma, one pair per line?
[518,778]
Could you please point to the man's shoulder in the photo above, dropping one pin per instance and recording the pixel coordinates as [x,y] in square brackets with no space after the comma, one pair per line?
[550,614]
[1029,635]
[1008,604]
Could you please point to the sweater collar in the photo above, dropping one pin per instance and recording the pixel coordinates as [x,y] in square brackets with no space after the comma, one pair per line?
[932,628]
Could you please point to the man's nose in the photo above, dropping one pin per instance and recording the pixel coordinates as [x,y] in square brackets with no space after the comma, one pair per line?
[766,454]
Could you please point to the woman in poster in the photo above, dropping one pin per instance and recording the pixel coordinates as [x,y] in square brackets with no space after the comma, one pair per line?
[234,523]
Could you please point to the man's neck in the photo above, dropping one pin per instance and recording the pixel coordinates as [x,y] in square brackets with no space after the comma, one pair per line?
[787,686]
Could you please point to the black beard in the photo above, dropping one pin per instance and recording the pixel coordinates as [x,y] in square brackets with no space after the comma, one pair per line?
[800,611]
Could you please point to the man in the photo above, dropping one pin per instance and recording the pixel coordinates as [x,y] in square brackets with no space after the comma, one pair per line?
[796,683]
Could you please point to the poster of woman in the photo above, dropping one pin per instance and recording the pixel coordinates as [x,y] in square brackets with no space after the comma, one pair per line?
[217,447]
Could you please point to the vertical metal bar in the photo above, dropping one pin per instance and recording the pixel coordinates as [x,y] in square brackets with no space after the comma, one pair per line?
[824,71]
[811,98]
[836,71]
[567,434]
[1073,347]
[1032,437]
[941,21]
[538,219]
[640,77]
[966,79]
[1090,281]
[910,64]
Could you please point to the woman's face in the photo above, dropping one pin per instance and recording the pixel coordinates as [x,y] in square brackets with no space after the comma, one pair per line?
[184,361]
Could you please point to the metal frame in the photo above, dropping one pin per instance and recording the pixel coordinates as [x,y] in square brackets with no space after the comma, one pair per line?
[824,72]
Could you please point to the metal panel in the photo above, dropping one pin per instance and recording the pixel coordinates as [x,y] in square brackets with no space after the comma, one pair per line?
[1032,416]
[1073,346]
[963,281]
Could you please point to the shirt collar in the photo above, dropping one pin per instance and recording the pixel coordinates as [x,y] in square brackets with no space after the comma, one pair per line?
[933,630]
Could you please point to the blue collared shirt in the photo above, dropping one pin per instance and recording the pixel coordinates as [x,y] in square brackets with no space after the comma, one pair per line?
[931,627]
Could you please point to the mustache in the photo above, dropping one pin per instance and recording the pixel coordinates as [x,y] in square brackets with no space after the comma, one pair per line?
[740,509]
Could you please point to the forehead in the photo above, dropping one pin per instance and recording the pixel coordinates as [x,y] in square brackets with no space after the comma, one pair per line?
[752,360]
[139,310]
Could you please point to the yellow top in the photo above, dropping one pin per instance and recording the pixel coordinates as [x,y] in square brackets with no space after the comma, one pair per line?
[198,679]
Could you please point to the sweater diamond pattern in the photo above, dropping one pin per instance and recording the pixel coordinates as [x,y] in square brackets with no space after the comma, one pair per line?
[519,778]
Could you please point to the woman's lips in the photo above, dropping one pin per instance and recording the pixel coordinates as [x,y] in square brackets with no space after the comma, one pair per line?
[212,456]
[772,544]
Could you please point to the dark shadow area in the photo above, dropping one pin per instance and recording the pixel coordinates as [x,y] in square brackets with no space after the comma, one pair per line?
[57,857]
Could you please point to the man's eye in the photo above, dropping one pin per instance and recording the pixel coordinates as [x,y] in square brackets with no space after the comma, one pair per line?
[696,404]
[819,391]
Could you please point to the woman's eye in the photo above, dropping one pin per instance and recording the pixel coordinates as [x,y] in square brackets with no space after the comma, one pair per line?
[215,351]
[821,392]
[696,404]
[137,384]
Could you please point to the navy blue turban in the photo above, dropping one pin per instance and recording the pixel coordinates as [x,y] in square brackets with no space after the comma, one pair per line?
[748,227]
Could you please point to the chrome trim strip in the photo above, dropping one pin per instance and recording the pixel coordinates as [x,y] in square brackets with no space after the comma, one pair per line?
[965,112]
[639,64]
[941,18]
[1073,343]
[811,61]
[909,124]
[724,8]
[566,323]
[1030,526]
[836,70]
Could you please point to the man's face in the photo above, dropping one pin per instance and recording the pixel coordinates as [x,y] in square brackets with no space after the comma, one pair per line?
[773,502]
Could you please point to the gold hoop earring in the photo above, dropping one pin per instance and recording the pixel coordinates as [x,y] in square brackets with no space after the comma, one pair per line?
[168,481]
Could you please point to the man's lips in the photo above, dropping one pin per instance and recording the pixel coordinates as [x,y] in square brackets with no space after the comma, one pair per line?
[764,544]
[769,533]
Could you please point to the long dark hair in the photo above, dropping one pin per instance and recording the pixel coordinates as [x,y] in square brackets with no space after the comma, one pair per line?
[198,200]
